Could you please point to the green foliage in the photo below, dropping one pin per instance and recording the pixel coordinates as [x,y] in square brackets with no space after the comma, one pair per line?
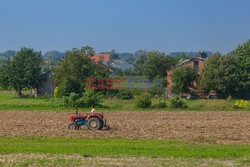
[157,64]
[230,74]
[183,79]
[141,57]
[9,102]
[125,94]
[68,86]
[73,100]
[71,74]
[219,75]
[53,55]
[56,93]
[177,103]
[240,104]
[22,70]
[87,50]
[143,101]
[51,60]
[161,104]
[242,57]
[91,98]
[88,99]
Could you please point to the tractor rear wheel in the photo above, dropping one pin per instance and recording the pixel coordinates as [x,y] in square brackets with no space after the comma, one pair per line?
[73,126]
[94,124]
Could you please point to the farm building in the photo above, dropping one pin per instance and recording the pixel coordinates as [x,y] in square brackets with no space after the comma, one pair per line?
[45,88]
[196,62]
[114,64]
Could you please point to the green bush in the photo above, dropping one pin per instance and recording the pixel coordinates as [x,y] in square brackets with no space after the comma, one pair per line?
[109,93]
[125,94]
[143,101]
[90,97]
[177,103]
[73,100]
[56,92]
[68,86]
[161,104]
[87,100]
[240,104]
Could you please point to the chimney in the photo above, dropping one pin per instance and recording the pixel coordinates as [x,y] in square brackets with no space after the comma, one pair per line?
[202,55]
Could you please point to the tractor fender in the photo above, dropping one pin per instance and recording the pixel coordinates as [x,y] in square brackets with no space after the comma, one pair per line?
[94,116]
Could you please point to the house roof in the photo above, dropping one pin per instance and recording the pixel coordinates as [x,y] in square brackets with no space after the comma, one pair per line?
[195,58]
[186,61]
[101,57]
[118,63]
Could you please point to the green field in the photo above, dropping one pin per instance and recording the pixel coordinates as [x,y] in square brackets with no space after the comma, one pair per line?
[121,147]
[61,151]
[167,150]
[9,101]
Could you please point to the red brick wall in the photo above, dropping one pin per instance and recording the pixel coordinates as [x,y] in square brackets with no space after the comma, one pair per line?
[189,63]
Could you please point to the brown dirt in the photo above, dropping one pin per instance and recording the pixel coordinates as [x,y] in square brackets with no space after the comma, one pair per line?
[204,127]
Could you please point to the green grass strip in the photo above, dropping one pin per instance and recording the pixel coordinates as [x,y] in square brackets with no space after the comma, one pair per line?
[121,147]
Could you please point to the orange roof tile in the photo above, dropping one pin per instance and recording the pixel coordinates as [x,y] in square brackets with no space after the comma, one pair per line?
[101,57]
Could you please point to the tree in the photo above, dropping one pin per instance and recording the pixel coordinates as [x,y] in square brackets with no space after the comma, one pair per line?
[22,71]
[113,54]
[184,79]
[219,74]
[157,64]
[70,75]
[242,57]
[87,50]
[152,64]
[141,57]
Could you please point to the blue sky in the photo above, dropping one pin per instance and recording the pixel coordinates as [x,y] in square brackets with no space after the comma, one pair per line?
[124,25]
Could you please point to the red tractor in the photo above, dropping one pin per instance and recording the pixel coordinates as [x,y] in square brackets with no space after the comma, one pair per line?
[94,121]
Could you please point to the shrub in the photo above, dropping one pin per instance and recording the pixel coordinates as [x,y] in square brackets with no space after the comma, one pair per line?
[240,104]
[161,104]
[109,93]
[56,92]
[177,103]
[68,86]
[73,100]
[90,97]
[87,100]
[143,101]
[65,100]
[125,94]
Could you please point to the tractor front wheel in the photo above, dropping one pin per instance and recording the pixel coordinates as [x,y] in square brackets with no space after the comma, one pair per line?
[73,126]
[94,124]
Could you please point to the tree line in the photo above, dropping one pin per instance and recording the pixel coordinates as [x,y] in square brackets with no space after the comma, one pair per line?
[227,75]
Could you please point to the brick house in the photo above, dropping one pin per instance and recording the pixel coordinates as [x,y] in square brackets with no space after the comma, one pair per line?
[196,62]
[113,64]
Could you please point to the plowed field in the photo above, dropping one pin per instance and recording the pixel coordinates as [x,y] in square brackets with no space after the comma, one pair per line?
[204,127]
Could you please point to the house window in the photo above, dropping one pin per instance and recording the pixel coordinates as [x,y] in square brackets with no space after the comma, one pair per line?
[196,64]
